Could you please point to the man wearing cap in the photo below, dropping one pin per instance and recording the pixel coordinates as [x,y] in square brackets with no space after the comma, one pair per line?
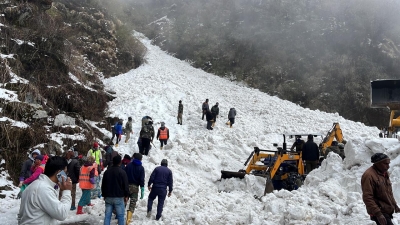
[163,135]
[180,112]
[377,191]
[115,191]
[135,172]
[160,179]
[96,153]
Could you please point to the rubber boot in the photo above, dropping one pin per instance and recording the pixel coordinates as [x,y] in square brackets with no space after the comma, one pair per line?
[161,148]
[128,217]
[79,211]
[116,145]
[213,124]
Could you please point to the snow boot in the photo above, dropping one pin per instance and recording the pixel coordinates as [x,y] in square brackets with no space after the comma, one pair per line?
[128,217]
[79,211]
[148,214]
[72,208]
[116,145]
[161,148]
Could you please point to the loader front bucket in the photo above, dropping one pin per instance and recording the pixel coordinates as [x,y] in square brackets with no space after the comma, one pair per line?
[385,93]
[269,186]
[231,174]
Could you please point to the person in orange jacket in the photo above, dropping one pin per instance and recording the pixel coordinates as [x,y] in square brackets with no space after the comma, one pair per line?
[163,135]
[87,182]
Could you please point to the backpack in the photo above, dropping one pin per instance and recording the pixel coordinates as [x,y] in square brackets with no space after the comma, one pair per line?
[147,131]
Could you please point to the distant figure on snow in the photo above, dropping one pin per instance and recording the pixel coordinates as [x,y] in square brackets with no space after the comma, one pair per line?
[205,108]
[128,129]
[118,132]
[231,116]
[163,135]
[180,112]
[210,119]
[215,112]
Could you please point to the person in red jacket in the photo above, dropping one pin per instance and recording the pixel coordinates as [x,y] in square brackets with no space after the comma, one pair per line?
[377,191]
[163,135]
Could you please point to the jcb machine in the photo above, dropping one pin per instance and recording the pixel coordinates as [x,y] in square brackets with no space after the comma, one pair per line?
[386,94]
[334,133]
[282,169]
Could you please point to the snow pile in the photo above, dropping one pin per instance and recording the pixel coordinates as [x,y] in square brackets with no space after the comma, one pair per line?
[331,194]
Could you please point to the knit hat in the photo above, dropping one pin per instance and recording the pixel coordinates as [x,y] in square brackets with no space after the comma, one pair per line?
[164,162]
[162,124]
[138,156]
[95,145]
[36,151]
[40,157]
[377,157]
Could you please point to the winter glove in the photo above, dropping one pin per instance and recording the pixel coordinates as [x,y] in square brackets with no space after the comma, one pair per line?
[141,192]
[92,180]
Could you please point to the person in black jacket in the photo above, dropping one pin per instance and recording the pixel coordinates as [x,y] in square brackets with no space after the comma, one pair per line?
[160,179]
[115,191]
[310,154]
[215,112]
[210,119]
[73,170]
[135,172]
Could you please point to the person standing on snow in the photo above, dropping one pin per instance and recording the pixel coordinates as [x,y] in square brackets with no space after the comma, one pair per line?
[311,154]
[87,182]
[231,116]
[115,191]
[215,112]
[110,154]
[180,112]
[135,172]
[39,203]
[118,131]
[26,166]
[210,119]
[73,170]
[205,108]
[128,129]
[160,179]
[377,191]
[147,136]
[163,135]
[96,153]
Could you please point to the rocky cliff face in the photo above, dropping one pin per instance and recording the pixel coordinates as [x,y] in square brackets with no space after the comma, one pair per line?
[53,57]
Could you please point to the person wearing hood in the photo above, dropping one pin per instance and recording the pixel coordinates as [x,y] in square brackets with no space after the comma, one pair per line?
[163,135]
[26,166]
[73,170]
[36,169]
[231,116]
[160,179]
[135,172]
[377,191]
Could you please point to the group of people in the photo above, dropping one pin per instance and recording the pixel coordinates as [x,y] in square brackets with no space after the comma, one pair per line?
[121,182]
[212,115]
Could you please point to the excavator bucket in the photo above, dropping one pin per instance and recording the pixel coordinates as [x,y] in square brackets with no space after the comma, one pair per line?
[385,93]
[269,186]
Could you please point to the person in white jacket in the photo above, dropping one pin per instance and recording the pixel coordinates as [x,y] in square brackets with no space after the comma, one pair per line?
[39,201]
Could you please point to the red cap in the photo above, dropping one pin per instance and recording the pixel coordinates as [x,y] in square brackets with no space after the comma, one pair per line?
[95,145]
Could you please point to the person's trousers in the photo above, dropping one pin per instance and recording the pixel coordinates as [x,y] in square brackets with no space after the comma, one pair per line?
[127,136]
[119,206]
[204,113]
[96,191]
[161,193]
[209,123]
[180,118]
[134,192]
[73,194]
[163,142]
[387,217]
[310,165]
[85,198]
[146,145]
[232,121]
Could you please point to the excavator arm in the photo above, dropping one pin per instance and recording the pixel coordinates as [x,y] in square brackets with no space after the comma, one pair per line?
[334,133]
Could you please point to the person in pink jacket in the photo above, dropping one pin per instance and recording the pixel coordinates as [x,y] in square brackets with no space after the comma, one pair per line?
[36,169]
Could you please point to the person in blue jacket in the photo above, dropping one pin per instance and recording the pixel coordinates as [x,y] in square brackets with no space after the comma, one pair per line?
[135,172]
[160,179]
[118,131]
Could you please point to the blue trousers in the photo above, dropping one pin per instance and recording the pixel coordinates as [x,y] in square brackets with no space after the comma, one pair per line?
[161,193]
[119,205]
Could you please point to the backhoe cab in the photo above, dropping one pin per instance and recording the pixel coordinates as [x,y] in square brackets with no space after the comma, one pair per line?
[282,169]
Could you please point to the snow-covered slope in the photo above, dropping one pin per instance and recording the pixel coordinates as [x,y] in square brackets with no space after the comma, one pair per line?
[331,194]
